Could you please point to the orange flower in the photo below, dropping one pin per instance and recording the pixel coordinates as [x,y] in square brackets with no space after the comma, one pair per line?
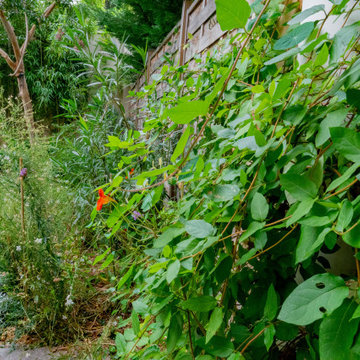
[130,173]
[103,200]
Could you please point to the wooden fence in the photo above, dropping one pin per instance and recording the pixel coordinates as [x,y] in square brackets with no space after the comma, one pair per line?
[198,31]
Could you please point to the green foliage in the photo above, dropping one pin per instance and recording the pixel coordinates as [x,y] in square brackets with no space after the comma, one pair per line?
[50,69]
[265,180]
[232,15]
[141,22]
[40,267]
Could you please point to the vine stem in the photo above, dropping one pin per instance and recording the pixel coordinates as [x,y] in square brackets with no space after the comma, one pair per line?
[341,190]
[137,341]
[209,116]
[357,267]
[348,230]
[284,107]
[238,233]
[253,339]
[350,12]
[324,21]
[277,243]
[244,198]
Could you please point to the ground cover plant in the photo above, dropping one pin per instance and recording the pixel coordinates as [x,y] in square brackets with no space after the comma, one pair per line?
[262,151]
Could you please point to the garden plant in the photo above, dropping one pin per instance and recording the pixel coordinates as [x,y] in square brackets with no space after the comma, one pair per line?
[225,225]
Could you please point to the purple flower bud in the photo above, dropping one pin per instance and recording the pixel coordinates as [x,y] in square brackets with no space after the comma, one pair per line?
[136,215]
[23,172]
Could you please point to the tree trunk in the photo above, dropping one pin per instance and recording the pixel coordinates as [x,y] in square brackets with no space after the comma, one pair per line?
[27,105]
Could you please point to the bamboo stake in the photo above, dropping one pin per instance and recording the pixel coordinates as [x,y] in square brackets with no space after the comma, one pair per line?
[22,198]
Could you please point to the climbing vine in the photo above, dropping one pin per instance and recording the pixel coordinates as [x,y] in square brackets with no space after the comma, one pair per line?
[237,193]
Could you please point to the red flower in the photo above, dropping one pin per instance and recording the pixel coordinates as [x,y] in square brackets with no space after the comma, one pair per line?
[103,200]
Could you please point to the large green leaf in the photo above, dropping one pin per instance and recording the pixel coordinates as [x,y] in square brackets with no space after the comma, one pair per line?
[185,112]
[294,37]
[247,142]
[304,247]
[322,56]
[271,305]
[350,76]
[337,332]
[216,319]
[305,14]
[345,215]
[251,230]
[224,192]
[199,228]
[259,207]
[284,55]
[175,332]
[167,236]
[303,208]
[299,186]
[269,335]
[333,119]
[342,39]
[232,14]
[313,299]
[199,304]
[217,346]
[172,271]
[344,177]
[182,143]
[352,237]
[347,142]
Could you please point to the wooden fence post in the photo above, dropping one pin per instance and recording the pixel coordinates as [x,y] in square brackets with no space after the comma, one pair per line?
[183,32]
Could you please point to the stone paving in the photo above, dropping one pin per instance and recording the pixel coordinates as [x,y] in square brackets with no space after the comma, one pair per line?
[19,354]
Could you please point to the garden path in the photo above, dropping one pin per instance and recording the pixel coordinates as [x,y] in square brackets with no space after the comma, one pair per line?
[7,353]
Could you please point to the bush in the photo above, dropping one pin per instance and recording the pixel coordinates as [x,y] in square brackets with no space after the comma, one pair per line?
[266,176]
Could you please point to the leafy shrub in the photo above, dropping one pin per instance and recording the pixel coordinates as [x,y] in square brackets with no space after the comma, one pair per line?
[266,171]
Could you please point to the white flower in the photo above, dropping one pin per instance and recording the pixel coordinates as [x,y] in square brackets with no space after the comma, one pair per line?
[38,241]
[68,301]
[7,158]
[18,248]
[64,317]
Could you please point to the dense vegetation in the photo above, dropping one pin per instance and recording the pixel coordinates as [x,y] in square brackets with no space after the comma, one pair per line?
[141,24]
[215,229]
[51,71]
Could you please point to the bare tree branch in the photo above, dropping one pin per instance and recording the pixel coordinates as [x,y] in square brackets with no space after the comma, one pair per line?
[49,10]
[11,34]
[7,59]
[23,48]
[46,14]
